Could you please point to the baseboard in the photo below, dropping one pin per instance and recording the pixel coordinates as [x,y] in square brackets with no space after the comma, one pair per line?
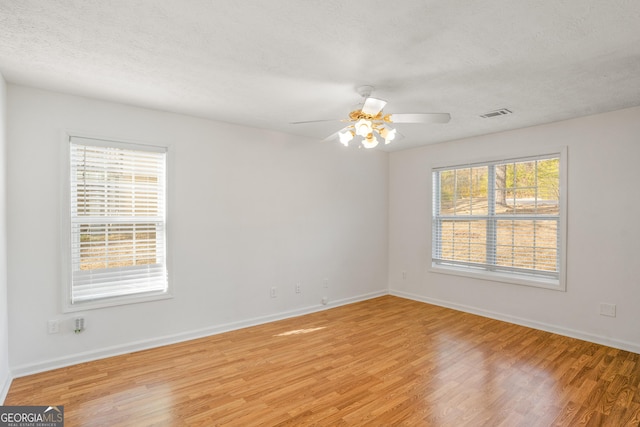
[47,365]
[4,388]
[572,333]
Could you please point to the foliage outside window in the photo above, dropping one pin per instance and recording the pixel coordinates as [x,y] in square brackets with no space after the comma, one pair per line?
[502,217]
[117,221]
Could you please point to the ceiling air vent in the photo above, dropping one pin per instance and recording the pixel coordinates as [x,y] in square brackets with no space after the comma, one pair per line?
[496,113]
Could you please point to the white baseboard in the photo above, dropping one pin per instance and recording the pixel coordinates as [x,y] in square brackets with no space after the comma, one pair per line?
[572,333]
[47,365]
[4,388]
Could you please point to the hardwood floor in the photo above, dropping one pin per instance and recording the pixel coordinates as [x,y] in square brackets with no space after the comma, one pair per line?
[386,361]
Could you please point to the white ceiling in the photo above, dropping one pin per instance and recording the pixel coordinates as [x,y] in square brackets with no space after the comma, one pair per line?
[268,63]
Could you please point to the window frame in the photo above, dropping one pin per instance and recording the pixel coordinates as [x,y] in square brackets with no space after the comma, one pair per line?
[66,226]
[539,281]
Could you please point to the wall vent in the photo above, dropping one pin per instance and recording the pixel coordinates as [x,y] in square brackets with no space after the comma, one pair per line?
[496,113]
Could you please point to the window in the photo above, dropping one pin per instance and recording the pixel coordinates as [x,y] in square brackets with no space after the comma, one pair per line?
[501,220]
[117,227]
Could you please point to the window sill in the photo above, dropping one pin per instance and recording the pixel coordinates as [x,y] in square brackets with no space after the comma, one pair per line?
[115,301]
[538,282]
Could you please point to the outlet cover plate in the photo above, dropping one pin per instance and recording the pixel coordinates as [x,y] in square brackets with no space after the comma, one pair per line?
[607,309]
[53,326]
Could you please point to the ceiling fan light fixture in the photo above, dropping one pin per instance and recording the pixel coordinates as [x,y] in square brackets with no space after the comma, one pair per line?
[389,134]
[363,128]
[370,141]
[345,137]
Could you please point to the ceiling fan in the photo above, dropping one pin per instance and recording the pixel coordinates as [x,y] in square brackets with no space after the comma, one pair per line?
[369,121]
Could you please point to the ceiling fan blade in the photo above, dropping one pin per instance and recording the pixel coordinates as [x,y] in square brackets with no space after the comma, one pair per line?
[335,135]
[420,118]
[315,121]
[331,137]
[373,106]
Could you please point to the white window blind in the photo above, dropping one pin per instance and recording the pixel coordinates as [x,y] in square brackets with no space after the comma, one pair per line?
[501,216]
[118,212]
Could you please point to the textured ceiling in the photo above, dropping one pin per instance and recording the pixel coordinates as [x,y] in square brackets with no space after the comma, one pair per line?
[268,63]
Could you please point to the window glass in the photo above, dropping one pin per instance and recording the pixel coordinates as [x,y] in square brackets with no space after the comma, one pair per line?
[501,216]
[117,221]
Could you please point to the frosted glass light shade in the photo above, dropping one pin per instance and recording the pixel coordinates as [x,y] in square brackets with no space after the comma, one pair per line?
[345,137]
[363,127]
[370,141]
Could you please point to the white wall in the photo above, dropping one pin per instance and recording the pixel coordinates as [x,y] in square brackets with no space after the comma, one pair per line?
[603,230]
[251,209]
[5,374]
[248,210]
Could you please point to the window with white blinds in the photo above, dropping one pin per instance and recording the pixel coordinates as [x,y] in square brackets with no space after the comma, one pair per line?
[501,217]
[117,220]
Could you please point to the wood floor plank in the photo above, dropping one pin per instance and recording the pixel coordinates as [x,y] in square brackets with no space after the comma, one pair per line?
[385,361]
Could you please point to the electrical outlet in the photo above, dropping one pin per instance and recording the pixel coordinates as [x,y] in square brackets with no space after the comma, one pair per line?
[274,292]
[53,326]
[404,275]
[298,290]
[607,309]
[325,283]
